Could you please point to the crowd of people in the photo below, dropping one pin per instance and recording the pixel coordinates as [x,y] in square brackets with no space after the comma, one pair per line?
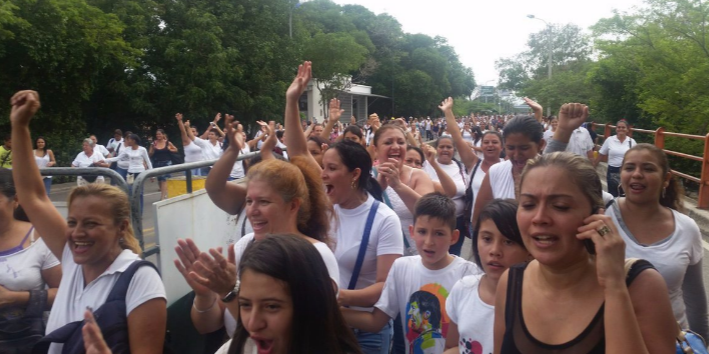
[350,240]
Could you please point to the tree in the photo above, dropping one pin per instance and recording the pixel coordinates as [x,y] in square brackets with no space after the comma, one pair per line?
[59,48]
[334,65]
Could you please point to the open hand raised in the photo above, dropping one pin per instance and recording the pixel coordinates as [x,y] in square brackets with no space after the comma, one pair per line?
[300,83]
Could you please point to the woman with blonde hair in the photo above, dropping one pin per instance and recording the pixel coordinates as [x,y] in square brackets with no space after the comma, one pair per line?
[279,197]
[95,245]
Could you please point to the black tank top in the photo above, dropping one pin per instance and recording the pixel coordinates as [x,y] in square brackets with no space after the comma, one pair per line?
[162,154]
[518,340]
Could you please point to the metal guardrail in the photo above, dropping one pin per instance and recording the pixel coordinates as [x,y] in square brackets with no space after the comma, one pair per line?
[87,171]
[137,186]
[659,135]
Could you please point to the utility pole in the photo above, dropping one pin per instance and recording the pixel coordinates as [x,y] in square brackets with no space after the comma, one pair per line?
[549,49]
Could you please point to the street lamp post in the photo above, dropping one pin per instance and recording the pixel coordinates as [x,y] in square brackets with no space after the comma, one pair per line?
[549,48]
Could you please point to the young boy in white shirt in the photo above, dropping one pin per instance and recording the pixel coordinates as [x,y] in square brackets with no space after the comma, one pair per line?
[417,286]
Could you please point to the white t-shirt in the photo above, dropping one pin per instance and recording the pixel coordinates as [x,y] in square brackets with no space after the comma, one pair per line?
[385,238]
[475,319]
[101,150]
[135,159]
[479,144]
[82,160]
[193,153]
[210,152]
[238,170]
[73,297]
[671,256]
[501,181]
[580,142]
[457,174]
[615,150]
[22,271]
[548,134]
[121,163]
[240,246]
[477,182]
[113,143]
[419,295]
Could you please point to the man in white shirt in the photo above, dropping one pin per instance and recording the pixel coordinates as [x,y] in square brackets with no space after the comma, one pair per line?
[581,143]
[98,147]
[113,142]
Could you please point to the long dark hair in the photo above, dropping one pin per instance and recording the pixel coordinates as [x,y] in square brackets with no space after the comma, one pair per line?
[45,144]
[354,156]
[317,323]
[672,197]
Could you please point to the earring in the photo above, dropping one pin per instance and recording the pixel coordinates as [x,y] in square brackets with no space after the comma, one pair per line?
[663,192]
[121,240]
[353,185]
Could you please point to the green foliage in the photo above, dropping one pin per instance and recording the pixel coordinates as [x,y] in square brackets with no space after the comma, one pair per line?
[133,64]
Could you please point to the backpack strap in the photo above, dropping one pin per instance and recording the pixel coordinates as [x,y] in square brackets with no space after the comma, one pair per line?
[363,245]
[120,289]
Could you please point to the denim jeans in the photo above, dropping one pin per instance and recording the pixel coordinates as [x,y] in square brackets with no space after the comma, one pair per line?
[47,184]
[458,246]
[374,343]
[123,172]
[613,180]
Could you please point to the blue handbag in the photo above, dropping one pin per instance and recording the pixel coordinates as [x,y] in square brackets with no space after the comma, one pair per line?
[689,342]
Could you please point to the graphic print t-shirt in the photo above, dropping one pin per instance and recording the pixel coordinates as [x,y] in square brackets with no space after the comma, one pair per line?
[475,319]
[420,294]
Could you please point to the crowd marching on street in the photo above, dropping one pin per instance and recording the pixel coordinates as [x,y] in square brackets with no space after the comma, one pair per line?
[350,238]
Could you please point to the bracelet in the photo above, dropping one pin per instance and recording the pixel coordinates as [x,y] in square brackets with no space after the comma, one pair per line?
[203,311]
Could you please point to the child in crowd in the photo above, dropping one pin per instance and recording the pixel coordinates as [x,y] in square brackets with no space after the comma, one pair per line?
[497,245]
[418,286]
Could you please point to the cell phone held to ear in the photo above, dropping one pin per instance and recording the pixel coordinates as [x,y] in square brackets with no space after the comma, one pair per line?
[588,243]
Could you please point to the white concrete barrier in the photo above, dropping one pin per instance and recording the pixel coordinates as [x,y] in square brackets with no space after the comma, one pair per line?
[189,216]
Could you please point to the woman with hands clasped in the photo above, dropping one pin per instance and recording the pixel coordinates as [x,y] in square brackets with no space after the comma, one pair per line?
[402,185]
[279,197]
[95,245]
[576,297]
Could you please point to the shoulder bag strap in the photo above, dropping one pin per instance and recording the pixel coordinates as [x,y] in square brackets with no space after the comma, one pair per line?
[120,289]
[472,177]
[363,245]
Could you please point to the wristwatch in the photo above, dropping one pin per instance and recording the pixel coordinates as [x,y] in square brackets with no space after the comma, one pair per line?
[230,296]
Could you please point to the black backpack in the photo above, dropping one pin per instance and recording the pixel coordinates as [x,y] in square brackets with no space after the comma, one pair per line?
[110,317]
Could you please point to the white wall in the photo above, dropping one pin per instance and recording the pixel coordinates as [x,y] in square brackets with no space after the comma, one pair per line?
[189,216]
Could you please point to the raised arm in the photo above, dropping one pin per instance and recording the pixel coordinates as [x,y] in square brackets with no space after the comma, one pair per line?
[270,142]
[536,108]
[571,116]
[484,196]
[28,182]
[467,156]
[447,184]
[295,140]
[227,196]
[334,118]
[183,132]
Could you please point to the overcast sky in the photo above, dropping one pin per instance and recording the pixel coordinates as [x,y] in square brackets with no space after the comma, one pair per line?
[484,31]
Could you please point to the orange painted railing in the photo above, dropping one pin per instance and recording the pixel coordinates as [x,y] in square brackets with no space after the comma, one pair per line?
[660,134]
